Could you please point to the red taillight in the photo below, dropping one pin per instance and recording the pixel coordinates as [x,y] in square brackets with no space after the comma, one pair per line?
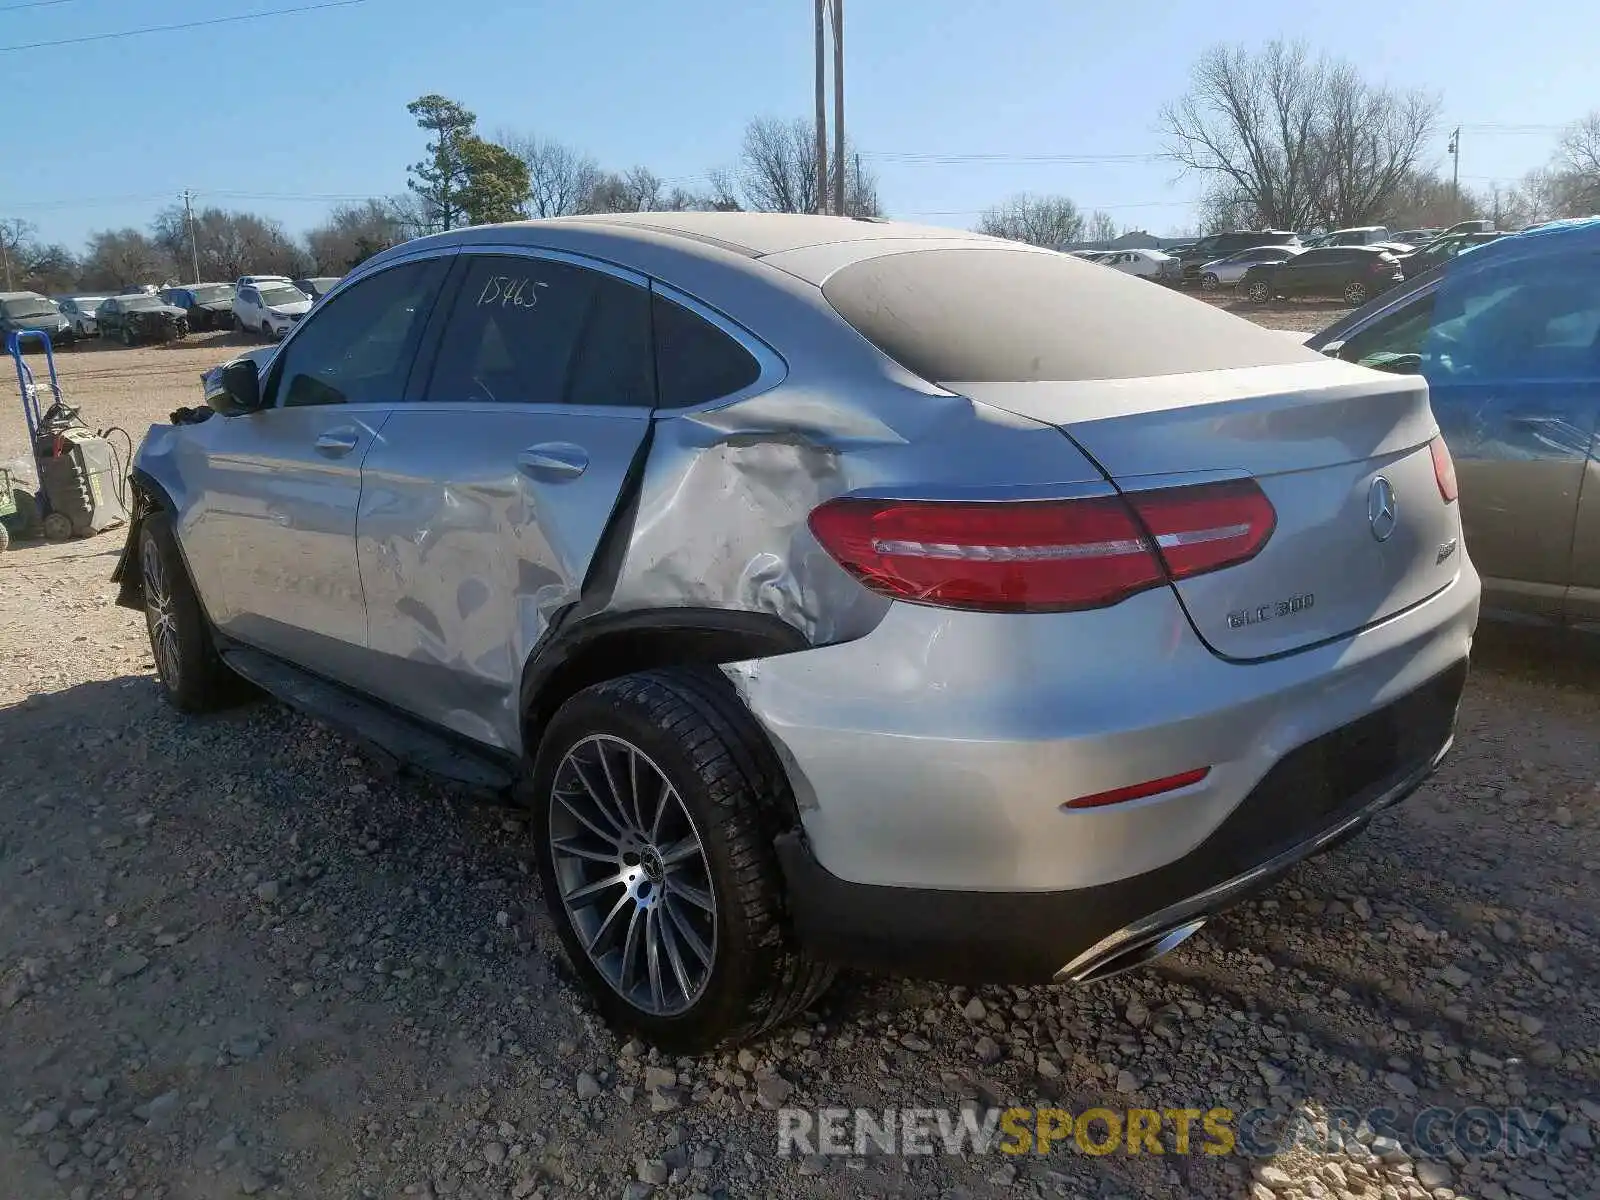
[1140,791]
[1444,469]
[1043,555]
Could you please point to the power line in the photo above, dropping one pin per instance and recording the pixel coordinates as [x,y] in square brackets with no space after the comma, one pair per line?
[923,159]
[127,33]
[33,4]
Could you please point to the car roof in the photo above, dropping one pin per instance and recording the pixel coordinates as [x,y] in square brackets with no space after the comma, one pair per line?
[21,296]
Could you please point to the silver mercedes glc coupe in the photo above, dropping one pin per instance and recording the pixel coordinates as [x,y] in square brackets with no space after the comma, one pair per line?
[832,591]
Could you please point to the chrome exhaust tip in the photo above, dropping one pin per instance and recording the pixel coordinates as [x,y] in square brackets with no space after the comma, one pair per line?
[1096,963]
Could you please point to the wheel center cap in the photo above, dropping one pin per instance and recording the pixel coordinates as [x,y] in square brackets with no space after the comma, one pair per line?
[654,869]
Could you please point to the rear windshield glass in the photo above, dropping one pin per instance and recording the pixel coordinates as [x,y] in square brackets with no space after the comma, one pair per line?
[1016,316]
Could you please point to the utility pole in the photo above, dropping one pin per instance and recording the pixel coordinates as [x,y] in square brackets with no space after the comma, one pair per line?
[194,247]
[822,111]
[838,107]
[5,254]
[1455,169]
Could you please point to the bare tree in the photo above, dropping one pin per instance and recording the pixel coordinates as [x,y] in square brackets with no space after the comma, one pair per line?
[228,244]
[31,265]
[1102,227]
[353,233]
[1295,142]
[121,257]
[1050,221]
[778,171]
[1579,164]
[1370,140]
[1424,199]
[636,190]
[561,180]
[778,166]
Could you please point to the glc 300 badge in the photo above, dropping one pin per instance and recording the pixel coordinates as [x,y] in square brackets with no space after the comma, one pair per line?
[1271,612]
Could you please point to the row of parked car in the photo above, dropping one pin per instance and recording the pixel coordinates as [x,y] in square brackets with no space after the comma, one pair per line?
[268,305]
[1263,264]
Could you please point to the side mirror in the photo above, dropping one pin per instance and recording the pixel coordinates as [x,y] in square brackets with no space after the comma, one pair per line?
[239,389]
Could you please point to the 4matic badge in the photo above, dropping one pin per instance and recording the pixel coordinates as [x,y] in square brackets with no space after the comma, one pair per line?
[1286,607]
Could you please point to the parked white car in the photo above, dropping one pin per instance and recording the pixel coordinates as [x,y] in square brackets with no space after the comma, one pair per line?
[270,307]
[80,312]
[1146,264]
[1229,270]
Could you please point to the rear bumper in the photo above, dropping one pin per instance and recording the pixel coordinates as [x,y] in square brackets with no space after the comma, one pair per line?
[1320,795]
[931,759]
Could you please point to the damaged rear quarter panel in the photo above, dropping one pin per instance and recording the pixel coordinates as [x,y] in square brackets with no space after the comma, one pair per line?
[726,493]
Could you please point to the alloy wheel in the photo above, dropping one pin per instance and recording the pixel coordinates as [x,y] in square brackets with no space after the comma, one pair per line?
[161,616]
[1210,283]
[633,875]
[1356,294]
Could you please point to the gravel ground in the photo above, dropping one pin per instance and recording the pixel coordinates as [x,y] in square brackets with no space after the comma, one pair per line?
[236,959]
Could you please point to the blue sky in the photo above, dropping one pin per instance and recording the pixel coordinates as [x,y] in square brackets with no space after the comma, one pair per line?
[291,111]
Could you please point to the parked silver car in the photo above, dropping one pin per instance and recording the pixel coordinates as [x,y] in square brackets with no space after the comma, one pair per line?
[1227,272]
[832,591]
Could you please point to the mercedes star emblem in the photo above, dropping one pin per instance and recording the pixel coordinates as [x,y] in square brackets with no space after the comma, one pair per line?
[1381,508]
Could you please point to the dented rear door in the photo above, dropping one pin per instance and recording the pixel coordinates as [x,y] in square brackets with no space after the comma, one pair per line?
[485,500]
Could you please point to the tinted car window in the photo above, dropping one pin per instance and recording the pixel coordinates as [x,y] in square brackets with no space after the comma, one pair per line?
[358,349]
[993,316]
[534,331]
[1528,318]
[695,361]
[1395,341]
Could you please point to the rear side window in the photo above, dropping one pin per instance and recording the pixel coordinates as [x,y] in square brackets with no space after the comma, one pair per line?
[1019,316]
[695,361]
[536,331]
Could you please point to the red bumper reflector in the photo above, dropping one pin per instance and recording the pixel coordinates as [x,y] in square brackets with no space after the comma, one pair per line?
[1138,791]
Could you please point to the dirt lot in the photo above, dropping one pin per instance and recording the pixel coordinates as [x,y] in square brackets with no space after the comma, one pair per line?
[237,960]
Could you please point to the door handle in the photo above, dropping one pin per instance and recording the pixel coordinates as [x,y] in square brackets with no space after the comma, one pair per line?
[336,443]
[553,461]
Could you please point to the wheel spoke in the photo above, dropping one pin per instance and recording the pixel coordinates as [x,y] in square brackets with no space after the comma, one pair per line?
[605,835]
[652,956]
[698,897]
[569,846]
[680,851]
[665,795]
[669,941]
[624,901]
[617,801]
[590,890]
[617,816]
[686,931]
[630,949]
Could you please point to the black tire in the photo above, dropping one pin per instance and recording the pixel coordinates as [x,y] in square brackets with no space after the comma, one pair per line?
[5,538]
[193,677]
[127,335]
[695,731]
[27,523]
[1209,282]
[1355,294]
[1259,293]
[238,323]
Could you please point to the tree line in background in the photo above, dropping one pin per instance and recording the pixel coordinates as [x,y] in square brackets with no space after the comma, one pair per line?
[462,179]
[1280,139]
